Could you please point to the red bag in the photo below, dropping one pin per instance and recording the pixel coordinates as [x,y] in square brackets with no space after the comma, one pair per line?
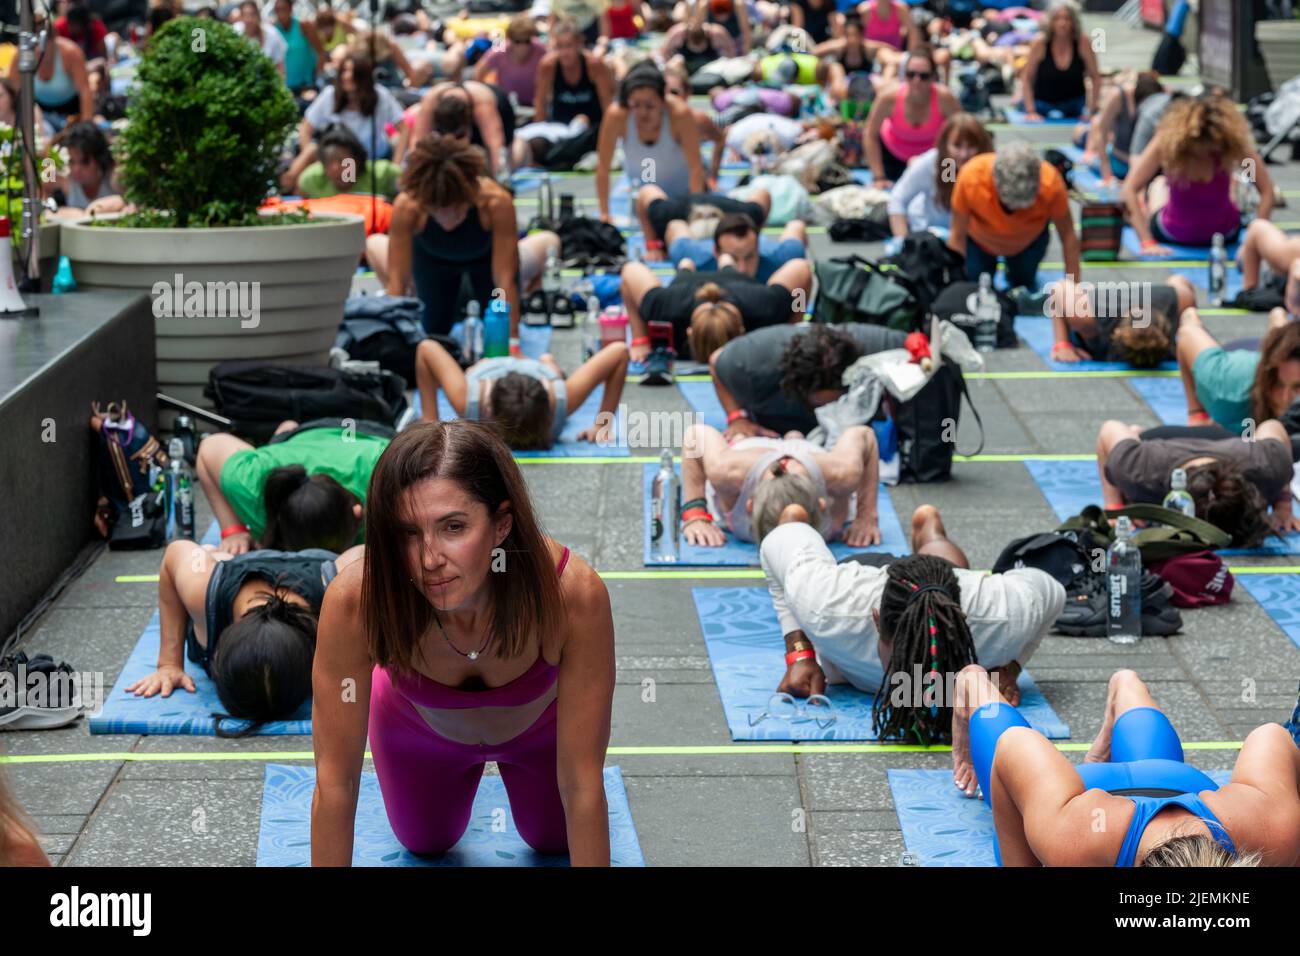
[1198,579]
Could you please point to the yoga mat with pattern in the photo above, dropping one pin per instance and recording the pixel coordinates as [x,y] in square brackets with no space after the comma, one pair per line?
[1279,595]
[1016,117]
[284,836]
[746,649]
[1133,246]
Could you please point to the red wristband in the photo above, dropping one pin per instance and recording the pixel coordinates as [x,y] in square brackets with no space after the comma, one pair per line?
[794,657]
[692,514]
[738,413]
[233,529]
[641,340]
[654,243]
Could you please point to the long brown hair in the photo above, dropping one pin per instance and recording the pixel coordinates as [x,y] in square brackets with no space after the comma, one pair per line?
[964,128]
[526,599]
[714,326]
[1280,345]
[363,76]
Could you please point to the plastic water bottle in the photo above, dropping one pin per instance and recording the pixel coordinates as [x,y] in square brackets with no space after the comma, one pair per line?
[496,329]
[183,428]
[1123,586]
[1179,498]
[591,328]
[1218,270]
[472,333]
[546,199]
[551,274]
[503,167]
[180,493]
[665,503]
[987,315]
[63,280]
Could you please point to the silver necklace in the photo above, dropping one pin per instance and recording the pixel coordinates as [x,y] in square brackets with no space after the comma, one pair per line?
[471,655]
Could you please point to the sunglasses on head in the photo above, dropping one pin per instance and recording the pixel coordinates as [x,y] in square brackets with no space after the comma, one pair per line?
[918,75]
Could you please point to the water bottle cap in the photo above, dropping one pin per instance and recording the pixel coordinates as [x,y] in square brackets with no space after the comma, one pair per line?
[176,448]
[1123,526]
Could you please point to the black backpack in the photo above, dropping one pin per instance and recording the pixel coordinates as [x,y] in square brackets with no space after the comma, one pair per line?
[257,397]
[1060,555]
[927,426]
[930,264]
[590,242]
[954,304]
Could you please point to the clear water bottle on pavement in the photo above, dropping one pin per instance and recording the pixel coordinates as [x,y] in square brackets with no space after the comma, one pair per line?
[1179,498]
[665,503]
[987,315]
[591,328]
[472,334]
[1218,271]
[546,203]
[180,493]
[1123,586]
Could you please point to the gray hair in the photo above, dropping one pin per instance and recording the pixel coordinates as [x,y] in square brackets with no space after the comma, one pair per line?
[1070,7]
[1017,169]
[773,496]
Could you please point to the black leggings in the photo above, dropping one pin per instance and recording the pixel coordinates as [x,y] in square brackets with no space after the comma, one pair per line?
[438,285]
[663,211]
[1211,432]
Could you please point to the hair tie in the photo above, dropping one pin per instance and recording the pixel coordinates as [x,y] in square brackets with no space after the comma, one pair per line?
[917,591]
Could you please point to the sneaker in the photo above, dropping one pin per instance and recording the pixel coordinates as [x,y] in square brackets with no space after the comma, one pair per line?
[1085,607]
[57,707]
[659,367]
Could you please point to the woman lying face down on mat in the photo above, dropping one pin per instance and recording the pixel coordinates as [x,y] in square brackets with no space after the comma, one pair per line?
[1232,479]
[1180,189]
[1159,810]
[303,489]
[529,399]
[1111,322]
[746,486]
[468,636]
[249,620]
[877,621]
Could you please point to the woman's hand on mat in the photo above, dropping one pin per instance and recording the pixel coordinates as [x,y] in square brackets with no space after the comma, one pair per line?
[1284,519]
[597,434]
[1066,352]
[803,679]
[747,428]
[1154,248]
[1033,116]
[703,534]
[638,353]
[240,543]
[164,680]
[655,254]
[863,533]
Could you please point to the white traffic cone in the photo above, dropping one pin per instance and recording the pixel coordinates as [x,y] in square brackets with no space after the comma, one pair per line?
[11,303]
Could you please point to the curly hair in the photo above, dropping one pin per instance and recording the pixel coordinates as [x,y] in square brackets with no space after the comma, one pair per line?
[1230,501]
[443,171]
[1280,345]
[1193,126]
[816,360]
[921,616]
[1141,346]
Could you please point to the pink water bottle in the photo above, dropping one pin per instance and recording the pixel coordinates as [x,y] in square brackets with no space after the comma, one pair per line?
[613,326]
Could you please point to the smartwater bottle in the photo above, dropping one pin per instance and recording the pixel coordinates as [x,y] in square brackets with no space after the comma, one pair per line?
[1179,498]
[987,314]
[546,199]
[472,333]
[496,329]
[591,328]
[180,493]
[1123,586]
[665,503]
[1218,271]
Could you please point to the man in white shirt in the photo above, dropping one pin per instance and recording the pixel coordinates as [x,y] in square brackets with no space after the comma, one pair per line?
[250,25]
[833,610]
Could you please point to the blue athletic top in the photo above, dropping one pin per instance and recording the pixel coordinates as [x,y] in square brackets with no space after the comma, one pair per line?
[1147,807]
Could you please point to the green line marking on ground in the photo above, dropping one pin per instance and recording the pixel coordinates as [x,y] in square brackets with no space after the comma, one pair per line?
[716,750]
[1048,374]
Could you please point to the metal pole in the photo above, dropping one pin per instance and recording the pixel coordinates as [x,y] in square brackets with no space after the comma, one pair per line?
[29,228]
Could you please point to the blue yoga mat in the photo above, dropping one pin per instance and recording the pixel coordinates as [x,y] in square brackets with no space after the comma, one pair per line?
[568,446]
[702,397]
[1133,245]
[1016,117]
[1045,278]
[1036,332]
[182,712]
[1070,486]
[1165,396]
[284,838]
[1279,595]
[941,827]
[744,554]
[746,649]
[1199,276]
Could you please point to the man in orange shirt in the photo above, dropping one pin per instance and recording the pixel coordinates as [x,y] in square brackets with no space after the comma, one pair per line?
[1002,204]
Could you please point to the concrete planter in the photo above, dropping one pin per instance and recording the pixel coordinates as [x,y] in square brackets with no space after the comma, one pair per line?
[273,293]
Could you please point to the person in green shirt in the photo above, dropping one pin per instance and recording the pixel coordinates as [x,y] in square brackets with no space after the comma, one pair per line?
[792,69]
[306,488]
[344,167]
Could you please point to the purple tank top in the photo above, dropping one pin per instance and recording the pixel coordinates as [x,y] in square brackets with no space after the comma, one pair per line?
[1196,211]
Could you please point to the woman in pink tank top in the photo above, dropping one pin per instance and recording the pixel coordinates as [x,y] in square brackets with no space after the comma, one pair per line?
[905,122]
[1180,190]
[893,27]
[465,636]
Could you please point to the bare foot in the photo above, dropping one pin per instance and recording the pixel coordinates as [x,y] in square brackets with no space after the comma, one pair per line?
[1099,752]
[1007,686]
[965,704]
[923,518]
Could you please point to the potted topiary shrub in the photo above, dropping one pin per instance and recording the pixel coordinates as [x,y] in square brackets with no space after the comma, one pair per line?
[208,116]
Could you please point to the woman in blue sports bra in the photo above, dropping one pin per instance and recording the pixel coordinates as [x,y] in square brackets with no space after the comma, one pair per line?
[61,83]
[1133,801]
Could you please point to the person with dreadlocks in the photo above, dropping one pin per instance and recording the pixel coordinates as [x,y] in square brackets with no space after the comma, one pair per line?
[886,629]
[249,620]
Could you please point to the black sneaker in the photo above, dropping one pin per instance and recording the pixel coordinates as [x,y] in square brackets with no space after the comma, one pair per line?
[51,698]
[658,367]
[1085,607]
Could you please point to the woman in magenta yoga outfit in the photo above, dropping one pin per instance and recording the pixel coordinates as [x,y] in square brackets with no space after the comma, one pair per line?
[466,635]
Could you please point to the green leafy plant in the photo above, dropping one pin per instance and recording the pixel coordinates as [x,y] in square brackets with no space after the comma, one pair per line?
[208,116]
